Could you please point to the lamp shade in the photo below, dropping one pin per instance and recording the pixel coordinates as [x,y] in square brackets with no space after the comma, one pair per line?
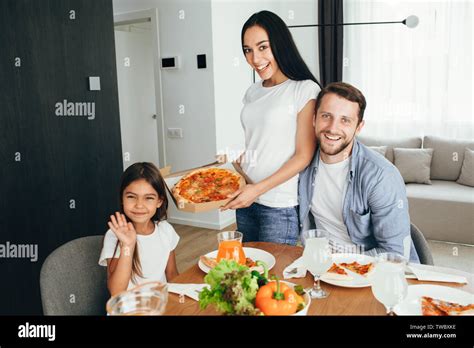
[411,21]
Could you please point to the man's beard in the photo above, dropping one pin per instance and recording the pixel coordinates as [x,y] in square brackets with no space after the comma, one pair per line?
[332,151]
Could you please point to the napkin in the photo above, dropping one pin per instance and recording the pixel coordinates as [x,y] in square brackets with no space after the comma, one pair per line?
[295,270]
[424,273]
[190,290]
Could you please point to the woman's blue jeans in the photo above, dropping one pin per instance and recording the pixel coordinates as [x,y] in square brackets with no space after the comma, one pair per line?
[260,223]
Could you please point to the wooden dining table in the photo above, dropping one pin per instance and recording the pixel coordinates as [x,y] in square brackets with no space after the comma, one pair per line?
[341,300]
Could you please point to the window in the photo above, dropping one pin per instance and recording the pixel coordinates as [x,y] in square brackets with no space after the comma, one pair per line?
[417,81]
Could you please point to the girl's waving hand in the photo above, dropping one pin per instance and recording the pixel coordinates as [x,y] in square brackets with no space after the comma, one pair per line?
[124,231]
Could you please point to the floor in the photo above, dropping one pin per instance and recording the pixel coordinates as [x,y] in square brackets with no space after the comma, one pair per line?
[452,255]
[194,242]
[197,241]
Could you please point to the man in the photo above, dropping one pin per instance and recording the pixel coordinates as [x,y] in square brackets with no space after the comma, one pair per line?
[348,190]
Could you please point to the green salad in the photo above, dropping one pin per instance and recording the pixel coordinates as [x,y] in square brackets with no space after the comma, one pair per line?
[232,290]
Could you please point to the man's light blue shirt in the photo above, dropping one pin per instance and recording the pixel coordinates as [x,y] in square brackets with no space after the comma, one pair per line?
[375,207]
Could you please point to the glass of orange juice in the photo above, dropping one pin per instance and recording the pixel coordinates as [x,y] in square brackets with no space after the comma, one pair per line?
[230,246]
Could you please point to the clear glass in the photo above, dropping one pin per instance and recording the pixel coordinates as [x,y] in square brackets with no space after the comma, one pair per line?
[146,299]
[316,258]
[230,246]
[389,285]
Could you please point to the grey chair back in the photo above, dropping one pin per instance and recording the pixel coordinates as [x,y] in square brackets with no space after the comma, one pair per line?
[421,246]
[71,280]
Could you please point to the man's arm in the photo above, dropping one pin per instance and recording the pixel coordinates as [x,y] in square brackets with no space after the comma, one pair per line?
[389,213]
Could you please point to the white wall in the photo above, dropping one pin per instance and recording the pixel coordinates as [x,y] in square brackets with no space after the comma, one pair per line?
[188,86]
[212,97]
[185,30]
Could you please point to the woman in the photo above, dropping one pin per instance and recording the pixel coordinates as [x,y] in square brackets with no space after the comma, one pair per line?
[277,119]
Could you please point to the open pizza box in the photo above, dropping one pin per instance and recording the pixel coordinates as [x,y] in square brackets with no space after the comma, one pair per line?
[221,162]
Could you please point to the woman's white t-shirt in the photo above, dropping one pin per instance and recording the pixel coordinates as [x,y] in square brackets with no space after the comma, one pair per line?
[269,119]
[154,250]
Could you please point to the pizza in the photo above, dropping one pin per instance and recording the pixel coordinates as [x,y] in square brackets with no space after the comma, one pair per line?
[211,262]
[249,262]
[431,306]
[337,273]
[206,185]
[208,261]
[356,267]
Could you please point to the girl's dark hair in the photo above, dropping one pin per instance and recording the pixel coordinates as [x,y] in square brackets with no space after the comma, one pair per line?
[152,175]
[282,44]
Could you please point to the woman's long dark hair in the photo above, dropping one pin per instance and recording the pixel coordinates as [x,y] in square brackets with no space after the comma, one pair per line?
[282,44]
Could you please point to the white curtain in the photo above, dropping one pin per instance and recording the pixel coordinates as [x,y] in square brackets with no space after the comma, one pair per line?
[416,81]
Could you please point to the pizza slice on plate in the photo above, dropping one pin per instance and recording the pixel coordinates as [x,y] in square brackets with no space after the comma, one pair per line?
[337,273]
[211,262]
[360,269]
[431,306]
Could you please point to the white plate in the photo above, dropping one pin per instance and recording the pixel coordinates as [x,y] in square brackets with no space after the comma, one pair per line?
[358,281]
[253,253]
[412,303]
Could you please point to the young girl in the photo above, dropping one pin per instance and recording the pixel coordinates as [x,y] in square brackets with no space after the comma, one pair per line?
[277,119]
[141,250]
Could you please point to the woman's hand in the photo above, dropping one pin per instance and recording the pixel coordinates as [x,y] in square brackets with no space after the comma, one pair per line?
[124,231]
[243,198]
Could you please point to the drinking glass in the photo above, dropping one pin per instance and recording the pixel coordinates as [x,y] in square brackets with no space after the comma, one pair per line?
[230,246]
[389,285]
[146,299]
[316,258]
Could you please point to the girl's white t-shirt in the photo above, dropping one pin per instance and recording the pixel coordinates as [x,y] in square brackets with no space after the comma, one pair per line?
[154,250]
[269,119]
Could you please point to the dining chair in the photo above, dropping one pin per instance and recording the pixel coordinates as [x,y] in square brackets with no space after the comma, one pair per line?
[421,245]
[71,280]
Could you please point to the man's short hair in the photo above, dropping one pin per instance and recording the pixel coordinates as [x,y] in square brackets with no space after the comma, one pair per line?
[346,91]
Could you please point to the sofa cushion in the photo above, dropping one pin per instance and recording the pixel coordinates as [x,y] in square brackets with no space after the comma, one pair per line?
[414,142]
[467,169]
[413,164]
[443,210]
[441,190]
[379,149]
[448,156]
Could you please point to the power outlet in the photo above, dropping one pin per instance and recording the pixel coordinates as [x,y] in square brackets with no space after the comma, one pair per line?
[175,132]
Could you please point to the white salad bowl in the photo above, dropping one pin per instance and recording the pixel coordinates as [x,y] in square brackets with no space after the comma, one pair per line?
[306,298]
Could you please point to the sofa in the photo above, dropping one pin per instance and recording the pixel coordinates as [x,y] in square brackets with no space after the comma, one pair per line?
[440,206]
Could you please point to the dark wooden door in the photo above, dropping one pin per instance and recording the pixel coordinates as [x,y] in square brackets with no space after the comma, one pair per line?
[59,174]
